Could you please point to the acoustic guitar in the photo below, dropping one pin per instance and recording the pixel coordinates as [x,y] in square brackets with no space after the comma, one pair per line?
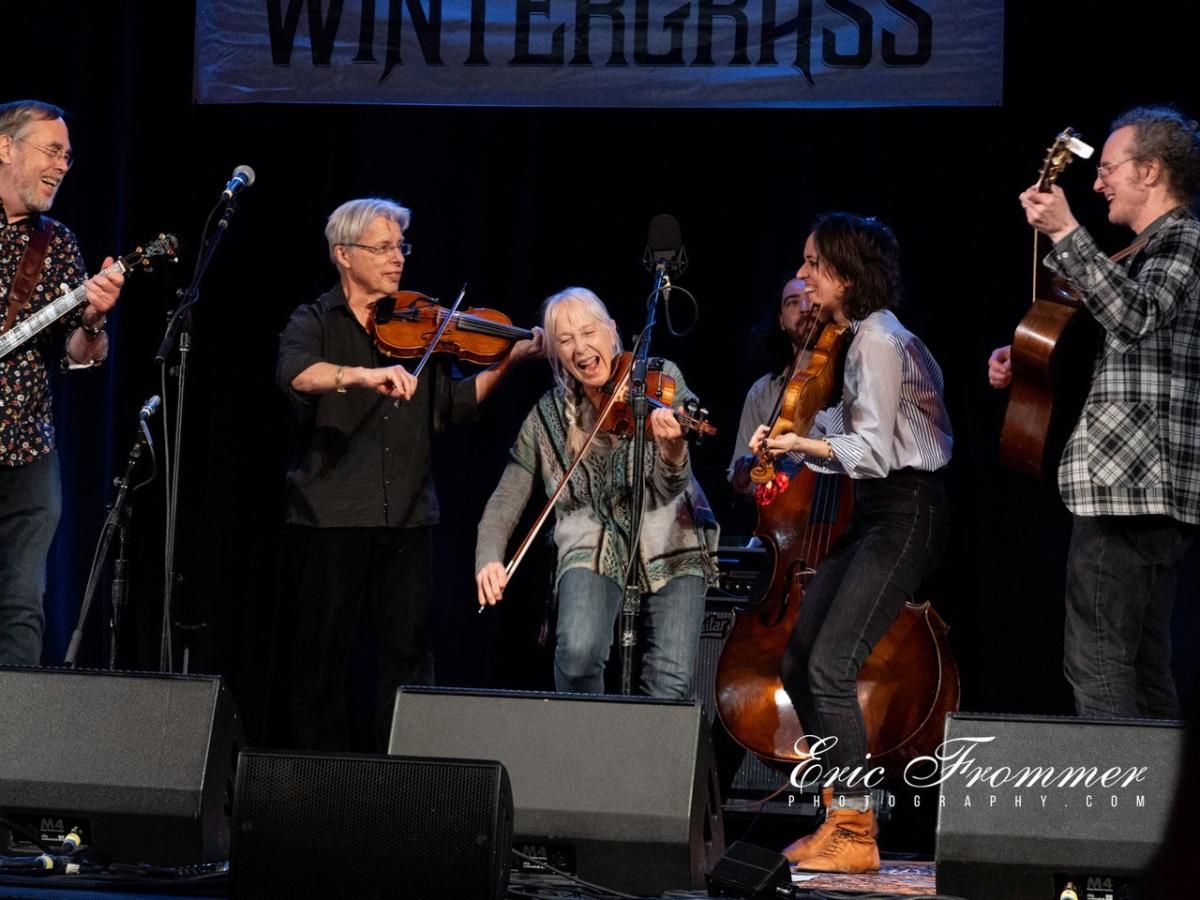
[1053,352]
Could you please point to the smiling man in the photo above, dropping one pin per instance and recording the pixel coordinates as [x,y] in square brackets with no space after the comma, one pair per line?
[1131,471]
[37,254]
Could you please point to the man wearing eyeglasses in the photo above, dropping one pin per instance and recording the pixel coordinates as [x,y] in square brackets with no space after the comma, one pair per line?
[1130,473]
[360,500]
[37,254]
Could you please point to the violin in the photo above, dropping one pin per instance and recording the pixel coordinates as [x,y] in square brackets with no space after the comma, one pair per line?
[807,392]
[660,392]
[405,322]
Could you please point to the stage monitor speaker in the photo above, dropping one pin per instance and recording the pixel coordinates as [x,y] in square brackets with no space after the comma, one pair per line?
[345,825]
[619,791]
[141,764]
[1029,803]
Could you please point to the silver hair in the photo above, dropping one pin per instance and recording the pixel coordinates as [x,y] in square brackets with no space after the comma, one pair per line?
[16,115]
[579,414]
[349,221]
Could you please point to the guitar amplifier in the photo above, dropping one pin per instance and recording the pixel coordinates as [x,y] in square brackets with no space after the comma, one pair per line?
[743,566]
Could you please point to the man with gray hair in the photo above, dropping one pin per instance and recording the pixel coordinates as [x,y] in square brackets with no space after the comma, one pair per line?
[37,254]
[360,498]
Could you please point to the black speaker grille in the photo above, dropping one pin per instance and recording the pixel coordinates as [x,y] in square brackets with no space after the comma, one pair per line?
[358,826]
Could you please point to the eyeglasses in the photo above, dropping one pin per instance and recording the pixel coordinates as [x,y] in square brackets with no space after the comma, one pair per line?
[404,247]
[54,152]
[1105,169]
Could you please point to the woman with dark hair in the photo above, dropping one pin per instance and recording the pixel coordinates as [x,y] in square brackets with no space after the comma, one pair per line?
[889,433]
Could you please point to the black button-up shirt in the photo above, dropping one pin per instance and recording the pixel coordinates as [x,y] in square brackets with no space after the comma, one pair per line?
[364,461]
[26,416]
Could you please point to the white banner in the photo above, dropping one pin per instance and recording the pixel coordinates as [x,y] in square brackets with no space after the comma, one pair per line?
[593,53]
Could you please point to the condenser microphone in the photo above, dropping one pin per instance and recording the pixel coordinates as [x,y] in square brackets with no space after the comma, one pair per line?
[243,177]
[664,245]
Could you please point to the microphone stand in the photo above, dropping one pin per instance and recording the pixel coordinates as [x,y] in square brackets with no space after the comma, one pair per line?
[180,326]
[119,515]
[632,602]
[119,592]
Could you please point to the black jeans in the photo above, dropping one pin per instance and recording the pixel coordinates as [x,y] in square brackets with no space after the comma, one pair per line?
[1122,573]
[336,568]
[30,506]
[896,536]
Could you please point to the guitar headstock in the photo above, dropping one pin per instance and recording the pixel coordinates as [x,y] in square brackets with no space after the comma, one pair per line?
[1065,148]
[165,246]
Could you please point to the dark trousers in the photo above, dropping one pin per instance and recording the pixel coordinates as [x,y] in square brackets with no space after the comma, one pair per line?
[1122,574]
[895,538]
[336,570]
[30,506]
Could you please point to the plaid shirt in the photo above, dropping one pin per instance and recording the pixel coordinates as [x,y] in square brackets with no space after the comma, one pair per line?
[1136,447]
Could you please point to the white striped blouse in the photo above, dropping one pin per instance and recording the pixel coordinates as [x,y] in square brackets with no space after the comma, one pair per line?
[891,415]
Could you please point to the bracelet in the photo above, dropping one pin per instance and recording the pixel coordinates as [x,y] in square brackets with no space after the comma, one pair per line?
[831,456]
[337,381]
[94,330]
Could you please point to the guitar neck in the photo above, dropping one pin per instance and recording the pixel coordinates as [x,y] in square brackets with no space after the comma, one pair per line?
[49,314]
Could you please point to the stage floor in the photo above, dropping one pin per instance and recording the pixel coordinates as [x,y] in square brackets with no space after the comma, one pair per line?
[902,878]
[908,878]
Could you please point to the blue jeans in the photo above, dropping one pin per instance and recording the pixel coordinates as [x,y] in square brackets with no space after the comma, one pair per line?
[588,606]
[1122,573]
[896,536]
[30,506]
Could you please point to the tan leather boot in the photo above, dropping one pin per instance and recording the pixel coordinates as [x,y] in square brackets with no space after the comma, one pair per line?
[812,844]
[849,848]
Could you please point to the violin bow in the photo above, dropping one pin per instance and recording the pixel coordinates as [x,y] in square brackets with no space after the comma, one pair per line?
[545,513]
[438,334]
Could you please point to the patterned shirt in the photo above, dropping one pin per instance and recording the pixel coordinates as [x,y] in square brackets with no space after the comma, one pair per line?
[1136,448]
[592,518]
[26,416]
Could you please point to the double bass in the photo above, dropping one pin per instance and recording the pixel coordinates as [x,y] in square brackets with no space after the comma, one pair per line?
[908,683]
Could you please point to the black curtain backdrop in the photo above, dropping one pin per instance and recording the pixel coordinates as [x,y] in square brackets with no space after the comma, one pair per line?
[521,203]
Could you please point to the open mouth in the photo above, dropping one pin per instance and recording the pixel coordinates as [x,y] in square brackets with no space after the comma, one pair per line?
[589,366]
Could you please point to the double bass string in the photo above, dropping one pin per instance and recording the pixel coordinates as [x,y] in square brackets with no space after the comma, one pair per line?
[818,530]
[807,340]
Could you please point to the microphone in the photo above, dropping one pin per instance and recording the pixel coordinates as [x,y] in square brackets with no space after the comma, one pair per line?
[149,408]
[243,177]
[664,245]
